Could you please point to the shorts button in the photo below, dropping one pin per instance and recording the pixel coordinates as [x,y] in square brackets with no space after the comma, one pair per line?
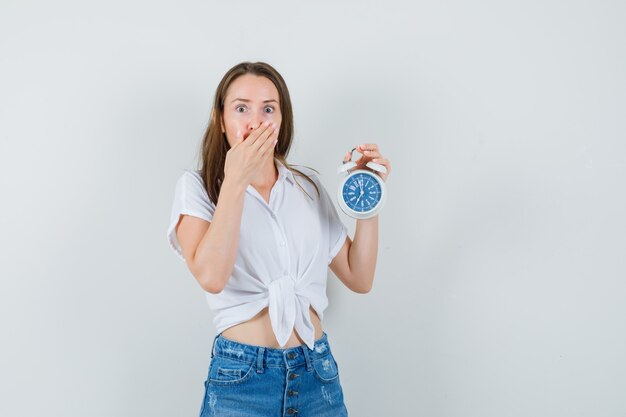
[291,393]
[291,355]
[293,376]
[291,410]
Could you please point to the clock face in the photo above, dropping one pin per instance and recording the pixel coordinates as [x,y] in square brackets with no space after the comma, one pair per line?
[361,192]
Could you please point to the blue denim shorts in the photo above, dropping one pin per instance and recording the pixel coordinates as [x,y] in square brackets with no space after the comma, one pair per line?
[247,380]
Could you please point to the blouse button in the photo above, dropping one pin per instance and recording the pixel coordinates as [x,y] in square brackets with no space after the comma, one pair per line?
[282,243]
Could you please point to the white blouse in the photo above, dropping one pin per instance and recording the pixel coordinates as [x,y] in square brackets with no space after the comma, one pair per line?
[284,251]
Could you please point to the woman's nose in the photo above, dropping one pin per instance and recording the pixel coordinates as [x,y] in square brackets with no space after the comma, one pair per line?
[256,120]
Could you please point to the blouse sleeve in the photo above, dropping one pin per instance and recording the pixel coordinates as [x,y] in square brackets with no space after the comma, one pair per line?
[337,230]
[190,197]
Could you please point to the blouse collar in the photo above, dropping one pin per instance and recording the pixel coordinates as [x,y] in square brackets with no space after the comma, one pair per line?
[284,172]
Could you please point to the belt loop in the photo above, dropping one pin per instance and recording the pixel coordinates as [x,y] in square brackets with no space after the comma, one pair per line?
[309,365]
[213,347]
[259,360]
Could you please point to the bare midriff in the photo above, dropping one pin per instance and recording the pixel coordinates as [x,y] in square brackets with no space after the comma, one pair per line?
[258,331]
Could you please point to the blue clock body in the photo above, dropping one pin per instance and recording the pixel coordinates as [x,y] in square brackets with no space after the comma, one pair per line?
[361,192]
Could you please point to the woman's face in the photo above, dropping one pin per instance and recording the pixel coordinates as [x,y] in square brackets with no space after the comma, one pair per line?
[250,100]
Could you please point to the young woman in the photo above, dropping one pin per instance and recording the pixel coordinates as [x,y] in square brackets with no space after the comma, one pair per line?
[259,235]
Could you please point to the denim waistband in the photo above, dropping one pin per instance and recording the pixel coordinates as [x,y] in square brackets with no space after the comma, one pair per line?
[272,357]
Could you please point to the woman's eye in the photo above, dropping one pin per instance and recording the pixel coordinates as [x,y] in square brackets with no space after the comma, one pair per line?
[239,107]
[270,107]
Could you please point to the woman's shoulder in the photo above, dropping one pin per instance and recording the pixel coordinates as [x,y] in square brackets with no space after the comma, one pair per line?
[191,181]
[193,173]
[194,176]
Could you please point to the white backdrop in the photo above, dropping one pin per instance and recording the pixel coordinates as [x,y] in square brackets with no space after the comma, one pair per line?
[499,289]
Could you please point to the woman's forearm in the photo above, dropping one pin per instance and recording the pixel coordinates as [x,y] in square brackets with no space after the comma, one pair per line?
[363,252]
[217,250]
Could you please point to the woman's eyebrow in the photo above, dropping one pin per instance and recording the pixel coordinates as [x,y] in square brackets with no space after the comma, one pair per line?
[247,101]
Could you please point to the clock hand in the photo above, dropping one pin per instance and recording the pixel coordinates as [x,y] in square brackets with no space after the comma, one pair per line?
[360,195]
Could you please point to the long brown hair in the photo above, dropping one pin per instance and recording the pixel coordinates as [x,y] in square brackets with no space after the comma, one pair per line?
[215,145]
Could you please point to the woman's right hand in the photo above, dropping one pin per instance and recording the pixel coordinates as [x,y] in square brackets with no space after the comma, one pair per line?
[245,159]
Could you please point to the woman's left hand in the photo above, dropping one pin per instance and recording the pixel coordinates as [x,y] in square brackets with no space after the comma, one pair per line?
[370,152]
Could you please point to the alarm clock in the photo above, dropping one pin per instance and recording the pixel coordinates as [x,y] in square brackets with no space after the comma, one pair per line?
[362,192]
